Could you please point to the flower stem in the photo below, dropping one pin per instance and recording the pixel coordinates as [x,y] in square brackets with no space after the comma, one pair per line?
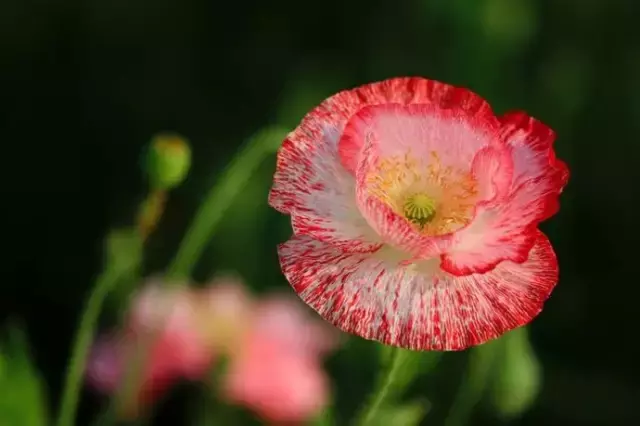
[382,390]
[220,198]
[326,418]
[475,382]
[83,339]
[208,216]
[151,211]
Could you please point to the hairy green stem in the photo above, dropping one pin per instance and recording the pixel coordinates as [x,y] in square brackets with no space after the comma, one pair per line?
[220,198]
[385,382]
[82,343]
[474,384]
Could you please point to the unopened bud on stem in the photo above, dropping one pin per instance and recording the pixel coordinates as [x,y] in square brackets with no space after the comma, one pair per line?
[167,161]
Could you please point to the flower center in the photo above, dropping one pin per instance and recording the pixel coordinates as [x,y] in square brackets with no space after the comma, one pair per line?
[403,182]
[419,208]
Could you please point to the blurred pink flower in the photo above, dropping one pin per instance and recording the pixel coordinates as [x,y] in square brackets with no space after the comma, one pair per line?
[278,385]
[173,314]
[107,367]
[273,347]
[225,312]
[276,370]
[162,322]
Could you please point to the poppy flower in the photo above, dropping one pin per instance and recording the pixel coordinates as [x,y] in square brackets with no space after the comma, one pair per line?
[415,212]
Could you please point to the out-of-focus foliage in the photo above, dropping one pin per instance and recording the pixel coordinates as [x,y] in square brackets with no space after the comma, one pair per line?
[124,249]
[407,415]
[518,376]
[123,253]
[22,391]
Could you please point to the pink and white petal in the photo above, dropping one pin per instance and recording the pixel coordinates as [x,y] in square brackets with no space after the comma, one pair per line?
[531,144]
[418,113]
[421,130]
[498,232]
[419,306]
[492,168]
[396,231]
[312,186]
[506,229]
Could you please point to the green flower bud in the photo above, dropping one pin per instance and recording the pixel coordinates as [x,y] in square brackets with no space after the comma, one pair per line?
[168,161]
[518,379]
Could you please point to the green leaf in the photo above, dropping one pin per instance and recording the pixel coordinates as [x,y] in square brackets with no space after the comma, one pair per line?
[410,414]
[22,395]
[517,381]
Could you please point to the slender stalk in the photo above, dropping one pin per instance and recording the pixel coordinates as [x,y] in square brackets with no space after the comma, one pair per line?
[326,418]
[208,216]
[382,389]
[82,342]
[151,211]
[474,384]
[220,198]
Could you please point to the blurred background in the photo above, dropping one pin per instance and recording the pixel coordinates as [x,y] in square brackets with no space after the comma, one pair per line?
[86,83]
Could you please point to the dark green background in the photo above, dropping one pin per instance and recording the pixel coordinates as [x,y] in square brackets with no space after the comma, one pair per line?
[84,85]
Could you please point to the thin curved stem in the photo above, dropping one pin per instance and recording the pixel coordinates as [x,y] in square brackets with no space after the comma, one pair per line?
[474,384]
[82,342]
[151,211]
[382,390]
[220,198]
[208,216]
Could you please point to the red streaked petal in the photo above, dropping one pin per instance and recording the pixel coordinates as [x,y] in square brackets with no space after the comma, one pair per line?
[418,113]
[416,306]
[492,168]
[311,185]
[506,229]
[531,144]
